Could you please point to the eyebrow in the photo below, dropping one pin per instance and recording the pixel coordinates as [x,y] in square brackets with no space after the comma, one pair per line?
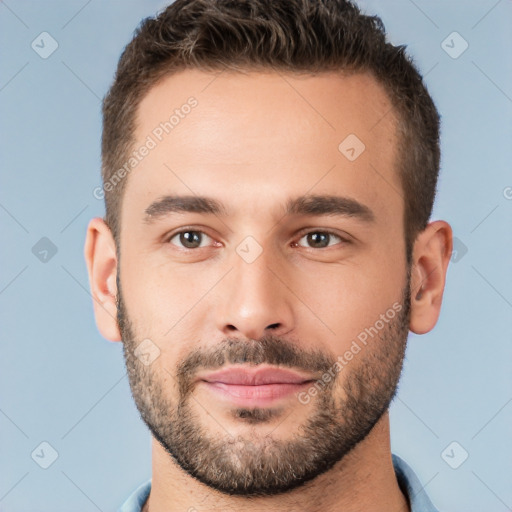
[328,205]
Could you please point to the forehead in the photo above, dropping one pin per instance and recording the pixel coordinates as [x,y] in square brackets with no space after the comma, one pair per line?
[258,137]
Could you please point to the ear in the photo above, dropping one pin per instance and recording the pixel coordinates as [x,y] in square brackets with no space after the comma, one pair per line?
[431,255]
[101,258]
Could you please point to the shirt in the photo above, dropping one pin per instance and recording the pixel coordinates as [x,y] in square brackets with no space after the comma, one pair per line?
[407,480]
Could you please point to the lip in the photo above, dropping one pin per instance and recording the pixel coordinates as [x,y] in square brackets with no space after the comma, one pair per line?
[256,376]
[254,387]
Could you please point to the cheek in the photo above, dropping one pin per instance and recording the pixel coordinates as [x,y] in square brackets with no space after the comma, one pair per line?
[171,303]
[157,298]
[350,298]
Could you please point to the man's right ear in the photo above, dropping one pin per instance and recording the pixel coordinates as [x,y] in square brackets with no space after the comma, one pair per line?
[101,259]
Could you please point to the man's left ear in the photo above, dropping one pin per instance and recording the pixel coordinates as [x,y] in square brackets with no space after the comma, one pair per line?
[431,254]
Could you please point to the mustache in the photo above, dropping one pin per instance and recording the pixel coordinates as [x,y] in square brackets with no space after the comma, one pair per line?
[269,349]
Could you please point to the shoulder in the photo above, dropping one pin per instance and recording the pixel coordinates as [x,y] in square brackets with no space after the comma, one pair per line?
[136,500]
[412,487]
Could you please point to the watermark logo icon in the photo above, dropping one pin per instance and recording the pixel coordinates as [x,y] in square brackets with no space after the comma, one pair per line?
[249,249]
[146,352]
[351,147]
[460,249]
[44,45]
[44,250]
[454,45]
[44,455]
[454,455]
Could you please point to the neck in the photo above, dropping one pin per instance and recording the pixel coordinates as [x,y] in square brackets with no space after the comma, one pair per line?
[363,480]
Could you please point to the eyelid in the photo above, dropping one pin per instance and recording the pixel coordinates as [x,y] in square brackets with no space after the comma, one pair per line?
[345,239]
[168,237]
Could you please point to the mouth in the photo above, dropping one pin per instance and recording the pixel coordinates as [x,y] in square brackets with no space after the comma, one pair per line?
[256,386]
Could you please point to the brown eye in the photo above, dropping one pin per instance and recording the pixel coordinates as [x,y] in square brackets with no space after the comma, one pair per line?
[320,239]
[189,239]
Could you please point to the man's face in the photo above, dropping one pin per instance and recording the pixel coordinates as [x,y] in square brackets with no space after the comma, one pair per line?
[320,288]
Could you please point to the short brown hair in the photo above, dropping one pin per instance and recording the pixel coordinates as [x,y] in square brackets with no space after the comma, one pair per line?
[286,35]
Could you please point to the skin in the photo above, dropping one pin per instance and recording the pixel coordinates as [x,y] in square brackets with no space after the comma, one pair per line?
[254,141]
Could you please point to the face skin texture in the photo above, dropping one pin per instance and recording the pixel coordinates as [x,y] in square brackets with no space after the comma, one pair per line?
[254,142]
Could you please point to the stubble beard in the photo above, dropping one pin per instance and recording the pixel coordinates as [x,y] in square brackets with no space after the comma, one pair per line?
[343,413]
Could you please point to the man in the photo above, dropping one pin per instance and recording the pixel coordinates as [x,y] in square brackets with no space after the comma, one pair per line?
[269,171]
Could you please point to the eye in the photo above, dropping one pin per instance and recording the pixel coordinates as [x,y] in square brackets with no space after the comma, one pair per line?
[190,239]
[320,239]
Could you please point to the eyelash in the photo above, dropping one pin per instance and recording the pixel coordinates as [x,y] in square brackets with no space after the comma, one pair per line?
[343,241]
[295,244]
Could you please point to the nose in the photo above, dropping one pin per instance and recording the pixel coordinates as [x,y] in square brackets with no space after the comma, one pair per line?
[254,299]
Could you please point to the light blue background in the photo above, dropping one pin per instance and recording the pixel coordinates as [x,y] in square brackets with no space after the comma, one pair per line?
[62,383]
